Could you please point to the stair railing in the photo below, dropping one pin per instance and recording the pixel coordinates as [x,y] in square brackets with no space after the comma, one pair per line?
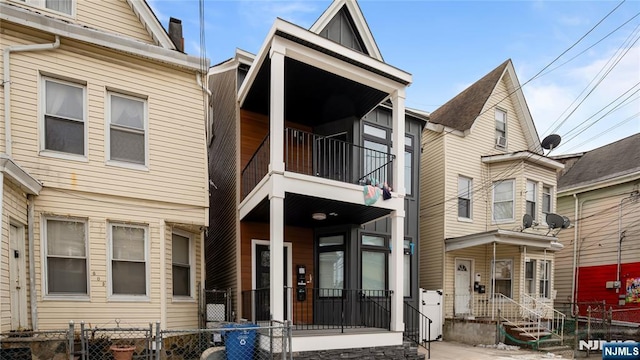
[515,314]
[553,319]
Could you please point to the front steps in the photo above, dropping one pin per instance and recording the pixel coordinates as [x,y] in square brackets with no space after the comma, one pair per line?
[528,334]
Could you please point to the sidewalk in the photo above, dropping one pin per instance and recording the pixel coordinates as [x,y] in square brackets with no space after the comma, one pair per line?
[447,350]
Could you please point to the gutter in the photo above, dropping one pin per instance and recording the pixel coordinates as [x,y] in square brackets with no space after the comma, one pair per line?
[6,82]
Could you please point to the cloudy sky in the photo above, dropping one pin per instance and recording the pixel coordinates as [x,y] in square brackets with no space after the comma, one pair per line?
[578,61]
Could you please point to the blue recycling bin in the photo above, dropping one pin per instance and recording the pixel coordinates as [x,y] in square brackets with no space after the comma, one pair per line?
[240,340]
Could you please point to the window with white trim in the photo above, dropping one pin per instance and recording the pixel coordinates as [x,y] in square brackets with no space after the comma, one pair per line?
[501,128]
[530,277]
[64,117]
[62,6]
[465,188]
[503,204]
[66,256]
[545,278]
[531,197]
[546,200]
[503,277]
[181,264]
[127,129]
[128,259]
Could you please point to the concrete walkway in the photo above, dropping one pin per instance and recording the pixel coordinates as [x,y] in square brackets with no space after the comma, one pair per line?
[447,350]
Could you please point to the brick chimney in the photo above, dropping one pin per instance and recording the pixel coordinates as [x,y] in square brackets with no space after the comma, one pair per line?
[175,33]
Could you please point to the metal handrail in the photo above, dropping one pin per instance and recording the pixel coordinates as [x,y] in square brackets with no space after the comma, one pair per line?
[514,314]
[557,317]
[423,322]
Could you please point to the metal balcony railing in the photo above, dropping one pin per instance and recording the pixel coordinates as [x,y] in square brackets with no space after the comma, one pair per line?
[323,156]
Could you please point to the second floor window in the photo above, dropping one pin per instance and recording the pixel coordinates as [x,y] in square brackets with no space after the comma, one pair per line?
[465,187]
[127,129]
[376,148]
[408,164]
[64,117]
[546,201]
[503,204]
[532,196]
[128,260]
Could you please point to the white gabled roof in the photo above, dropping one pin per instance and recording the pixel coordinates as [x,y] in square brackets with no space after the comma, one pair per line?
[358,18]
[149,20]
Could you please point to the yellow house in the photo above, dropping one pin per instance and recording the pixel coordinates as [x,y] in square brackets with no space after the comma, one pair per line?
[104,193]
[483,169]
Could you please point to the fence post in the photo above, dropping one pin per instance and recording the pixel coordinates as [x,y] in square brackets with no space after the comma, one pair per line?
[70,339]
[588,327]
[158,340]
[289,335]
[83,341]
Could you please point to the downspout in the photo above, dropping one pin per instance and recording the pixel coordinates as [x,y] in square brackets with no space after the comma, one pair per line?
[6,82]
[32,263]
[575,252]
[206,110]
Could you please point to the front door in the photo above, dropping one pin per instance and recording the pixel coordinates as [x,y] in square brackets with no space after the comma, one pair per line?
[463,287]
[262,281]
[18,278]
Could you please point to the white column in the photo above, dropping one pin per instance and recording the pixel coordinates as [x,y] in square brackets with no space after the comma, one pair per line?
[276,238]
[397,99]
[276,112]
[396,267]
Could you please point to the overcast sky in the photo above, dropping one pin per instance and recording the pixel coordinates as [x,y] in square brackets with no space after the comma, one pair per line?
[448,45]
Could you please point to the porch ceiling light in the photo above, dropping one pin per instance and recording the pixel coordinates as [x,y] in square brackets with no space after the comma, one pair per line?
[319,216]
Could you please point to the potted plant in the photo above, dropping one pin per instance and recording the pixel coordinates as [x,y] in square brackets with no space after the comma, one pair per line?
[122,351]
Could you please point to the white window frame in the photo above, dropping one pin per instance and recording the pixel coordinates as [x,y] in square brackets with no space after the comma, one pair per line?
[42,113]
[511,279]
[192,267]
[42,5]
[127,297]
[529,198]
[544,279]
[107,142]
[503,114]
[533,278]
[550,194]
[44,256]
[470,198]
[513,201]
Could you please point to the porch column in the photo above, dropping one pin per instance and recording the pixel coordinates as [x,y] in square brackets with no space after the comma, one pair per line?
[276,252]
[396,270]
[276,109]
[397,99]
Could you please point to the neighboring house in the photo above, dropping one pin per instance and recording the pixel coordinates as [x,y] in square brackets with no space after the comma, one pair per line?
[600,262]
[298,130]
[103,167]
[483,170]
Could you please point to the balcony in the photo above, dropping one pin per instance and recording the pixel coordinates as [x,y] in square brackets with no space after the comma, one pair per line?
[320,156]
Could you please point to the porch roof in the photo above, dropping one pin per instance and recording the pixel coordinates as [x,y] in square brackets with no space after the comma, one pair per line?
[507,237]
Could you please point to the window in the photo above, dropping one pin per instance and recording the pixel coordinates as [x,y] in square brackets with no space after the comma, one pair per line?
[545,276]
[374,263]
[376,153]
[407,267]
[531,197]
[181,264]
[546,201]
[128,260]
[66,257]
[530,277]
[64,117]
[408,164]
[331,265]
[501,128]
[503,194]
[465,188]
[127,129]
[502,276]
[63,6]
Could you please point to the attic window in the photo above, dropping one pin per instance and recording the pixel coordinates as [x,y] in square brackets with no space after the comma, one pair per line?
[501,129]
[61,6]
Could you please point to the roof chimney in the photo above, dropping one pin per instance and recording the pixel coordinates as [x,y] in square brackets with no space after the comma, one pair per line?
[175,33]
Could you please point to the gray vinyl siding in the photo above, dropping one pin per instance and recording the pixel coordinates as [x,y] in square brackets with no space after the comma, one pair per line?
[221,254]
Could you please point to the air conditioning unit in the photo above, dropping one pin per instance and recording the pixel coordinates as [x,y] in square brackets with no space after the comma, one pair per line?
[501,142]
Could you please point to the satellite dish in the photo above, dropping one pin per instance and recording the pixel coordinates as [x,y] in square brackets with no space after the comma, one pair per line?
[554,221]
[551,142]
[566,222]
[527,221]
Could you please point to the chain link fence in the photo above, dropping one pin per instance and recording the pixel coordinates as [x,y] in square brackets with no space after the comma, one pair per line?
[227,341]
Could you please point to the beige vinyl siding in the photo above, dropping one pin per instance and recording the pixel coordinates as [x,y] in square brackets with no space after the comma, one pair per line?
[183,314]
[14,211]
[564,258]
[431,226]
[176,141]
[114,16]
[100,211]
[515,135]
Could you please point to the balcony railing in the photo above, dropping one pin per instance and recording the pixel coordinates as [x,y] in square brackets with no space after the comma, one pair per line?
[320,309]
[323,156]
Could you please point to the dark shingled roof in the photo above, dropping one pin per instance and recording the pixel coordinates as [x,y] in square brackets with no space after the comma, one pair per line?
[613,160]
[460,112]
